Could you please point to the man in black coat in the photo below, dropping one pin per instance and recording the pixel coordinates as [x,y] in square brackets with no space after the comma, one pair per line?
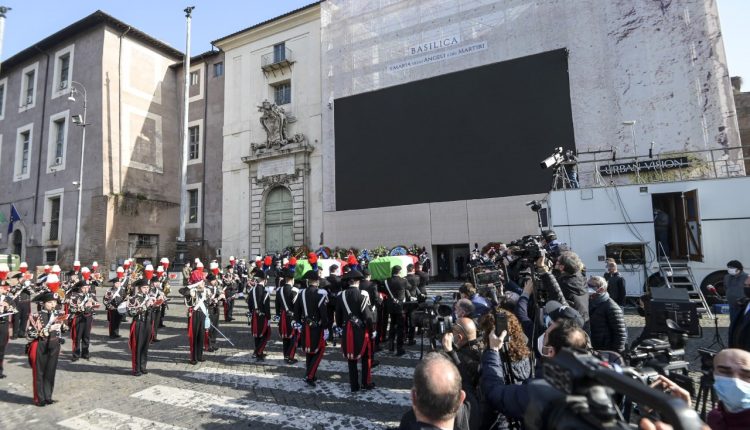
[396,288]
[608,330]
[615,282]
[572,284]
[741,334]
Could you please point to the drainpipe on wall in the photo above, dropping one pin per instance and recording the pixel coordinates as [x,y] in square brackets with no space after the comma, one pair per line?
[119,108]
[41,133]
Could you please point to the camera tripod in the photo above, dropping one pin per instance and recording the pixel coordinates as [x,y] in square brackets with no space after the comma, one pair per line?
[705,394]
[717,337]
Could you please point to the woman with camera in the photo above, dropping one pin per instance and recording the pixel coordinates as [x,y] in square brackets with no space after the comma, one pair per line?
[515,364]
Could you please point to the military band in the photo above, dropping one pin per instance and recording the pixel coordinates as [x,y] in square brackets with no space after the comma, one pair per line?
[44,330]
[141,328]
[310,313]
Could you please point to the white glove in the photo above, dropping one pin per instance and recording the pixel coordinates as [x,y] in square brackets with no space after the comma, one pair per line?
[374,334]
[325,334]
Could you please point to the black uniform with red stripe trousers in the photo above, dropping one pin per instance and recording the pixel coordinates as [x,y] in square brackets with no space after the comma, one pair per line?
[285,299]
[311,311]
[80,325]
[43,350]
[354,316]
[141,332]
[259,304]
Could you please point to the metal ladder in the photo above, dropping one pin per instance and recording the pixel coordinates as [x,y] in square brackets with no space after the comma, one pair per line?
[679,275]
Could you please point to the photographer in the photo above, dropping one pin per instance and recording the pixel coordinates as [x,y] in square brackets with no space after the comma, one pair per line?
[512,400]
[608,331]
[514,360]
[463,347]
[571,282]
[481,305]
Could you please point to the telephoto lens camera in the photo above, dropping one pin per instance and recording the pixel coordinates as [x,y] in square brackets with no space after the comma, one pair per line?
[433,318]
[584,395]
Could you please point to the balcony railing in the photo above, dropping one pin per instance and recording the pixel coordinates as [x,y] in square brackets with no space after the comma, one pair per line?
[276,60]
[598,169]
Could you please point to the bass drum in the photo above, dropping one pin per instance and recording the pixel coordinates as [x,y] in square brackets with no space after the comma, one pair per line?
[122,308]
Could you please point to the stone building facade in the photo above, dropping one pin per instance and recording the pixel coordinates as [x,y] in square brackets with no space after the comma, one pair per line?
[129,204]
[203,228]
[272,160]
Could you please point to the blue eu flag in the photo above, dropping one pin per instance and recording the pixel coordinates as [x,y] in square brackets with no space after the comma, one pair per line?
[14,216]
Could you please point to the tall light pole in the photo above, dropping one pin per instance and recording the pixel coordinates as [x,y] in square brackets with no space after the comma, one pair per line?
[81,122]
[3,11]
[181,248]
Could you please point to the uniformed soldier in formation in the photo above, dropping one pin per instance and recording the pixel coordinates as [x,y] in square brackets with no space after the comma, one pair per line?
[413,299]
[157,294]
[113,297]
[7,310]
[23,292]
[259,305]
[286,296]
[231,284]
[44,329]
[214,295]
[354,316]
[310,310]
[141,326]
[82,305]
[396,288]
[334,288]
[195,296]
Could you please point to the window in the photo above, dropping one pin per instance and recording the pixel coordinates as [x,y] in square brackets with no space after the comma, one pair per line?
[192,207]
[28,87]
[22,165]
[30,83]
[57,141]
[64,65]
[52,216]
[54,219]
[195,78]
[194,142]
[282,93]
[50,256]
[3,85]
[63,72]
[279,52]
[59,137]
[146,239]
[218,69]
[195,90]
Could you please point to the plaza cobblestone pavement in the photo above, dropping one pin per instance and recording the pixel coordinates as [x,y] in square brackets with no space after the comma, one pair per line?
[227,391]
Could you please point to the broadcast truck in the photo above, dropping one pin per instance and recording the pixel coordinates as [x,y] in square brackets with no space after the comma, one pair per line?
[704,202]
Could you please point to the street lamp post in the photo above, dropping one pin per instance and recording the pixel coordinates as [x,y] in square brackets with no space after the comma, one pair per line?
[81,122]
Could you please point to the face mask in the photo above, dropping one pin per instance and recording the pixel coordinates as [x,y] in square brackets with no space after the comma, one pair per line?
[734,393]
[732,271]
[540,344]
[591,291]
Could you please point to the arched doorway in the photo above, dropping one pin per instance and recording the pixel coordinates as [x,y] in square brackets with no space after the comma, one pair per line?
[278,220]
[17,243]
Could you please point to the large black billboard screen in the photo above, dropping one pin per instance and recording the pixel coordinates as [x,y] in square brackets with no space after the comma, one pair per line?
[473,134]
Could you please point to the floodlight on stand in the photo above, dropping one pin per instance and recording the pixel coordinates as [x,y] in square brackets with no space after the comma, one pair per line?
[553,160]
[77,119]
